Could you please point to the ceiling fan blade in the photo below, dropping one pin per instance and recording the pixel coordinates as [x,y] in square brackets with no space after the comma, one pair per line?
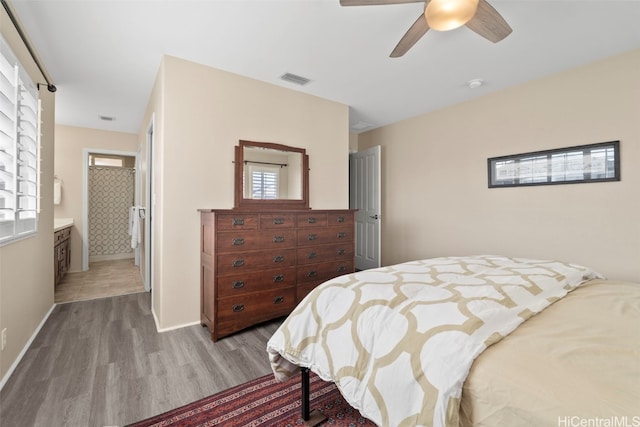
[417,30]
[375,2]
[489,23]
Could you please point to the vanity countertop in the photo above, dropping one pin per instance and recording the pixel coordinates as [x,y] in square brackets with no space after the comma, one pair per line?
[61,223]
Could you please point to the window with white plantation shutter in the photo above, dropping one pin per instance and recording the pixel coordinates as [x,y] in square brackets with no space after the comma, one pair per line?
[19,149]
[264,182]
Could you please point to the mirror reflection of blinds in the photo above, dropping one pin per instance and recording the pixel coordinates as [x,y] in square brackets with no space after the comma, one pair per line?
[19,149]
[264,184]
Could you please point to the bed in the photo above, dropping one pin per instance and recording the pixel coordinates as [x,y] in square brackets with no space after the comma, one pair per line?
[472,341]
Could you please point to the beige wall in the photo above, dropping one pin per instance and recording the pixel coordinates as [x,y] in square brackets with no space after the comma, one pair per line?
[435,196]
[353,142]
[203,113]
[69,164]
[26,266]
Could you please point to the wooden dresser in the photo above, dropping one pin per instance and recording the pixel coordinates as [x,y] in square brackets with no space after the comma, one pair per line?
[257,265]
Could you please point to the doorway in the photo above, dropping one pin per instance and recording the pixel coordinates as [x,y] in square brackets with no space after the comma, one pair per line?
[111,194]
[364,195]
[110,189]
[88,153]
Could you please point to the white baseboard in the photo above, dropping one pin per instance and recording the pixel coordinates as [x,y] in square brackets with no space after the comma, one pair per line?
[25,348]
[185,325]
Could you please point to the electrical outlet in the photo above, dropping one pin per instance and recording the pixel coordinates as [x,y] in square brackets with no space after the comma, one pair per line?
[4,338]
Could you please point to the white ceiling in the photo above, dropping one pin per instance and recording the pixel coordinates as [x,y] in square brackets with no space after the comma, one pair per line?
[103,55]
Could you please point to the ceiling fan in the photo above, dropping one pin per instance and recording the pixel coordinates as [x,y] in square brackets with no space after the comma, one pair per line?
[444,15]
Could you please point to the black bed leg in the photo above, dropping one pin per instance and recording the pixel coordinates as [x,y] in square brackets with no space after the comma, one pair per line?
[305,393]
[311,418]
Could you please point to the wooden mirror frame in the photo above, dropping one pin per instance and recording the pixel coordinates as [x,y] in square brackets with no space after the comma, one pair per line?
[260,204]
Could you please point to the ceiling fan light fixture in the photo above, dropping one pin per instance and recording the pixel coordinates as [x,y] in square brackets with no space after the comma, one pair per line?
[445,15]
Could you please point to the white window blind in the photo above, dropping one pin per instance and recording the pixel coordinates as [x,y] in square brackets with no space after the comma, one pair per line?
[19,149]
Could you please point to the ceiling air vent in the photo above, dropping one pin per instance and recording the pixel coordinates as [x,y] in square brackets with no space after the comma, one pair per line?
[107,118]
[292,78]
[360,126]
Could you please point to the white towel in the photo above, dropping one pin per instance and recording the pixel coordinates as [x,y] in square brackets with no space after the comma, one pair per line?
[57,191]
[134,226]
[132,210]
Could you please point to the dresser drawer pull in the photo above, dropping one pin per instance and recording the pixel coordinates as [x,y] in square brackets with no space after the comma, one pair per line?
[278,239]
[237,285]
[238,221]
[312,237]
[278,300]
[278,221]
[312,255]
[238,308]
[239,241]
[340,219]
[278,278]
[340,251]
[341,234]
[311,220]
[238,262]
[278,258]
[341,269]
[312,273]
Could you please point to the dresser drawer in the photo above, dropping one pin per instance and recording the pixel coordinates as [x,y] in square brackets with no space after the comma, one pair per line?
[340,218]
[262,280]
[241,241]
[323,271]
[311,219]
[312,237]
[323,253]
[248,261]
[269,304]
[237,221]
[275,220]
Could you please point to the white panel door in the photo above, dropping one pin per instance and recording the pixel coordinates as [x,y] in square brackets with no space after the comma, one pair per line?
[364,195]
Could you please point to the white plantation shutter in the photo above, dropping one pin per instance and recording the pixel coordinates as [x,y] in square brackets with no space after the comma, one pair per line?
[264,182]
[19,149]
[8,126]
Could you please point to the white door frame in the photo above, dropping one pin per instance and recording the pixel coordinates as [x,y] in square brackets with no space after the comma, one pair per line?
[136,202]
[149,199]
[85,196]
[365,195]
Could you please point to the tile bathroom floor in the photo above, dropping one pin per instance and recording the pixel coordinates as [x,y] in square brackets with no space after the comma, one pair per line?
[103,279]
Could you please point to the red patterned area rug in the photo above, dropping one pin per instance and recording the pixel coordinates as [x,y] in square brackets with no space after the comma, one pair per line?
[262,402]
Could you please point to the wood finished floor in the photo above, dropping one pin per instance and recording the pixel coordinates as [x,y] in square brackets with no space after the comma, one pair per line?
[102,363]
[103,279]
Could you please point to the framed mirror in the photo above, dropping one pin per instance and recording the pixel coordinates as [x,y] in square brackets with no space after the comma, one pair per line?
[271,176]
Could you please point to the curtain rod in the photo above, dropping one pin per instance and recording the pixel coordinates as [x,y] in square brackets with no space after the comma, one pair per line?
[50,85]
[282,165]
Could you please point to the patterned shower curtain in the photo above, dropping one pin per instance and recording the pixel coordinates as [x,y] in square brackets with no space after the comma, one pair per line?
[111,194]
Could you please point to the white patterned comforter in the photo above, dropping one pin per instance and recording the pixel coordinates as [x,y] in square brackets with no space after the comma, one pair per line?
[399,341]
